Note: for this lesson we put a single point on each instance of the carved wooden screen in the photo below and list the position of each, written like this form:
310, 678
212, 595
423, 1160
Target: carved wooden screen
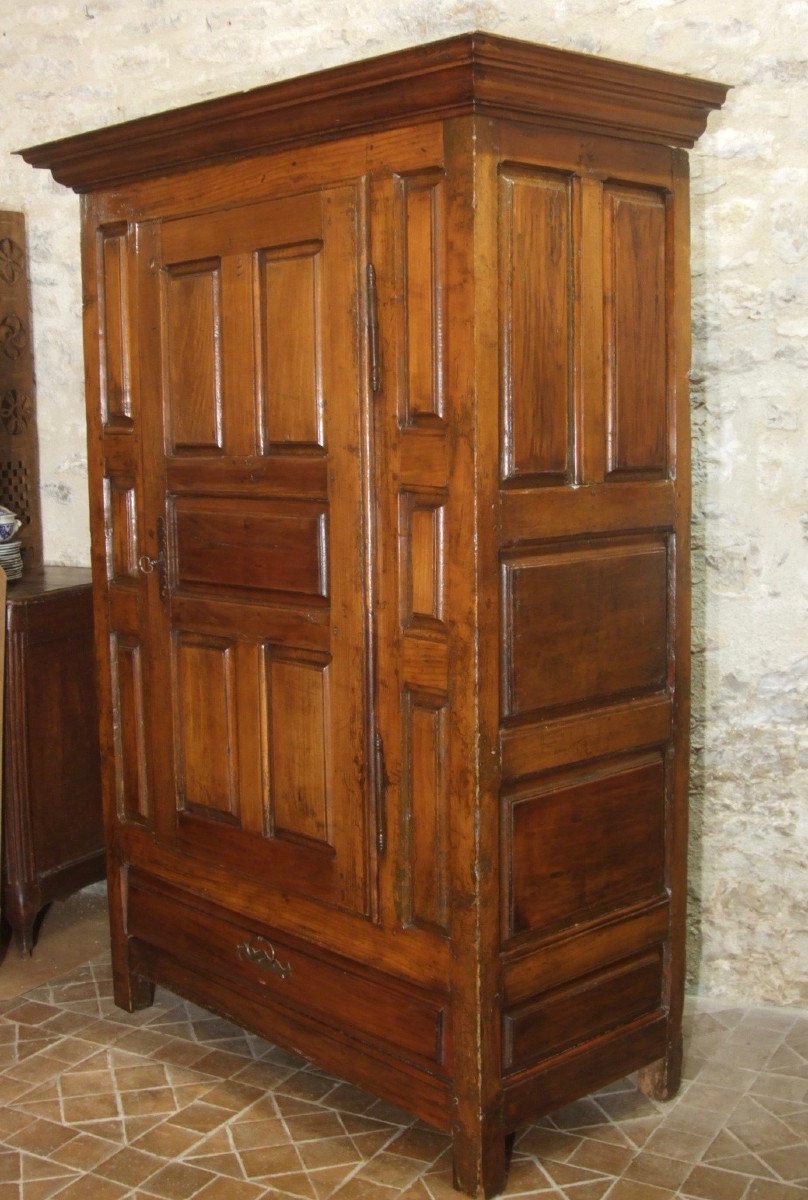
19, 449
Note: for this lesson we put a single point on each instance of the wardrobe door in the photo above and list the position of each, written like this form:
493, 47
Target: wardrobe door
253, 464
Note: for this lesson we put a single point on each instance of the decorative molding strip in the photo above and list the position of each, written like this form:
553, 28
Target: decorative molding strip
472, 73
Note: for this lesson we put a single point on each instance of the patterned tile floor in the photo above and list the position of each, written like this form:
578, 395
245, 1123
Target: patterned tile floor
174, 1103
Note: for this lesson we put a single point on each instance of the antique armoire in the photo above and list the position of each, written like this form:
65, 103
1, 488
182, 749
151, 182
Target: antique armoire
387, 391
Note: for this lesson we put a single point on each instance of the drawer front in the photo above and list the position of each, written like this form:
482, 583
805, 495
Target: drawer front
389, 1014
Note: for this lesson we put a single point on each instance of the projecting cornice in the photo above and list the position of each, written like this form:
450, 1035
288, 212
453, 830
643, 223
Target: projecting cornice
472, 73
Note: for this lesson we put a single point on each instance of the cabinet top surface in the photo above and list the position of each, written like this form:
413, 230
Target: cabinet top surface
36, 584
473, 73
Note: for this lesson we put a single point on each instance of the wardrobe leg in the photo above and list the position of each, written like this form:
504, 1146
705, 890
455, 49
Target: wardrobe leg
480, 1161
130, 990
661, 1079
22, 907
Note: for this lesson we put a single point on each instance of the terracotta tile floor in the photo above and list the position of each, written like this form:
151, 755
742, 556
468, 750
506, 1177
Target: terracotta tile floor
175, 1103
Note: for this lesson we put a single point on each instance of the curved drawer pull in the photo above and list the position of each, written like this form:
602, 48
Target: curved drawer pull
262, 953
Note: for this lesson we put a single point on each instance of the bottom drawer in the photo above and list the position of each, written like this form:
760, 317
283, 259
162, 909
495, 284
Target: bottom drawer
364, 1005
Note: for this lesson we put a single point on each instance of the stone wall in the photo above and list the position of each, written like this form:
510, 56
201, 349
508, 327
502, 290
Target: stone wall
67, 66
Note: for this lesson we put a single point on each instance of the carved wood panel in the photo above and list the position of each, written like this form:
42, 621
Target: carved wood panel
19, 446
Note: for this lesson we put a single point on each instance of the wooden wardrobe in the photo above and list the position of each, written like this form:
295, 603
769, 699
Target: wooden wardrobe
388, 424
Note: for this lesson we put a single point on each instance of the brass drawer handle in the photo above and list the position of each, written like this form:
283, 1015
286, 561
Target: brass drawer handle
262, 953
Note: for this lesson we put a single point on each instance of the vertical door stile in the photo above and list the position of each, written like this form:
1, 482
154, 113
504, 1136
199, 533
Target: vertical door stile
370, 390
383, 500
149, 382
590, 410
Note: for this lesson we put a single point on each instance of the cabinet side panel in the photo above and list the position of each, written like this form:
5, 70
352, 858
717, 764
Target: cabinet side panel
535, 267
635, 328
590, 624
586, 622
562, 820
62, 746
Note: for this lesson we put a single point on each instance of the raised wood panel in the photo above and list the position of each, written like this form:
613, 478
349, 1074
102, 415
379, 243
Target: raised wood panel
635, 328
193, 336
584, 843
116, 395
206, 721
128, 729
259, 545
120, 529
585, 622
290, 337
422, 269
536, 324
572, 1015
421, 567
424, 898
299, 747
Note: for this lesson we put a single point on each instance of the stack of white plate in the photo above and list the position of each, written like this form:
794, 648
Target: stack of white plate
11, 559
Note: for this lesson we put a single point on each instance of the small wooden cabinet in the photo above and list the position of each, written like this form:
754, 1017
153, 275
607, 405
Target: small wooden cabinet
53, 840
387, 391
